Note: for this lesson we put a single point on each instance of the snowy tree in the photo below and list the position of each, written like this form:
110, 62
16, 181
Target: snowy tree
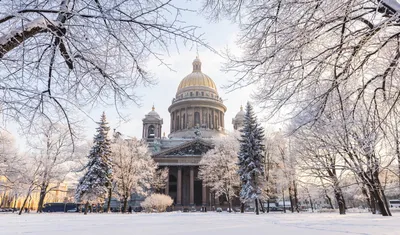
296, 49
270, 189
219, 169
8, 153
355, 142
159, 181
286, 171
54, 152
96, 183
133, 168
62, 55
28, 177
251, 158
10, 161
317, 159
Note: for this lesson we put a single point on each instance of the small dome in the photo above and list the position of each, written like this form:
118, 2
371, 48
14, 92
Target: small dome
197, 78
240, 114
153, 113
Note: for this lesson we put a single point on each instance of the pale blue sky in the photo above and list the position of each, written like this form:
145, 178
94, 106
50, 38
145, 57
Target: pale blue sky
219, 35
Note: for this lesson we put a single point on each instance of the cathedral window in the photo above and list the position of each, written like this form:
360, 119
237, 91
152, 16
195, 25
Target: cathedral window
202, 93
197, 93
197, 118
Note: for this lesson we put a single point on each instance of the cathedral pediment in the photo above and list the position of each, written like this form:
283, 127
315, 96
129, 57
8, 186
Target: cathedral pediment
196, 147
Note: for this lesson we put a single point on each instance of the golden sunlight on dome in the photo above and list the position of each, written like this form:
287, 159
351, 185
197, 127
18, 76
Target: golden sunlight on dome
197, 78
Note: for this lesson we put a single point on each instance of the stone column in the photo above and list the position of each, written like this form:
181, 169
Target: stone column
208, 117
202, 116
167, 183
180, 119
171, 125
179, 187
223, 120
203, 194
191, 186
186, 119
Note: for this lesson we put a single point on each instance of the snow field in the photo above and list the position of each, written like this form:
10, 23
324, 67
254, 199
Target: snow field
198, 223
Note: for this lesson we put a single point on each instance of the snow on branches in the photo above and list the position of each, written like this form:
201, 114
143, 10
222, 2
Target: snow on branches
96, 182
251, 158
59, 56
133, 168
218, 167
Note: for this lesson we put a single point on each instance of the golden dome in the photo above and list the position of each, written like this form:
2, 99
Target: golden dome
197, 78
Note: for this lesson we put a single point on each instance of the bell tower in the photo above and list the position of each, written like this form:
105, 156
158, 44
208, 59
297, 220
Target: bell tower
152, 126
238, 121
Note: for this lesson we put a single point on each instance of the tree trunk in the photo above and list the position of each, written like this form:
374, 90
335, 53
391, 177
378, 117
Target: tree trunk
284, 204
340, 200
125, 204
15, 203
109, 200
230, 205
23, 204
380, 196
3, 199
241, 207
329, 199
42, 196
381, 201
296, 199
268, 206
86, 208
257, 210
311, 203
291, 199
398, 157
372, 201
262, 206
369, 199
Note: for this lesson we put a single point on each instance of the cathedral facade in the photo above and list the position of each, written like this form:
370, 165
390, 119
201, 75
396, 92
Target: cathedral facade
197, 114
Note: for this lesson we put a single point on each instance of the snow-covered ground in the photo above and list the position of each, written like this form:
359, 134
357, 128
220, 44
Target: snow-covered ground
198, 223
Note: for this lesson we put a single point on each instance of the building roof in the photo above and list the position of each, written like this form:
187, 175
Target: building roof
240, 114
152, 115
197, 78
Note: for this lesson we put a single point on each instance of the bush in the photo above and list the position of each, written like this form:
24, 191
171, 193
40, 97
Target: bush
157, 203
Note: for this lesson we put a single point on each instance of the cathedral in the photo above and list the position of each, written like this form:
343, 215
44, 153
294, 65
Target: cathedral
197, 114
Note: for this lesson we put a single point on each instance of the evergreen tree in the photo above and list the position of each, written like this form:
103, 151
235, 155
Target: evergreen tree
251, 158
96, 183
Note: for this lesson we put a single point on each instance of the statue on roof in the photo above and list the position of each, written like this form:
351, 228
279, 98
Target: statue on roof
197, 132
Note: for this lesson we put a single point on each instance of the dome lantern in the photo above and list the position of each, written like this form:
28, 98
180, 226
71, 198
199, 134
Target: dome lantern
196, 65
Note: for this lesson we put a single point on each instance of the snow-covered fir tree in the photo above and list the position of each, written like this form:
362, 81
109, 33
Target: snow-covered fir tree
96, 183
251, 158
